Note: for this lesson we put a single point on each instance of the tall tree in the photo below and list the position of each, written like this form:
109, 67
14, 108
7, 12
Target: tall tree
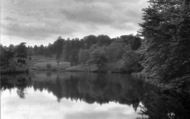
89, 41
83, 56
21, 50
58, 47
166, 30
5, 56
103, 40
98, 57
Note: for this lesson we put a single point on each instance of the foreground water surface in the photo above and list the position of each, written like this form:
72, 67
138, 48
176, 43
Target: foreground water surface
48, 95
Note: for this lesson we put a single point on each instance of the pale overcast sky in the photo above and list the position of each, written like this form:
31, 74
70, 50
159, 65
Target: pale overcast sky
42, 21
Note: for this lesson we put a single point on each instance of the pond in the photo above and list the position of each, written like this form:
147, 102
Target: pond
50, 95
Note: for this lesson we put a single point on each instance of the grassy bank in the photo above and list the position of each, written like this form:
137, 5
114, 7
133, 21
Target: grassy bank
41, 63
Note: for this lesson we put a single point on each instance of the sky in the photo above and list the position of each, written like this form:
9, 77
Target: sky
39, 22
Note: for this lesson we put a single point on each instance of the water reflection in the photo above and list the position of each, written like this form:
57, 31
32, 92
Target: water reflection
108, 90
94, 88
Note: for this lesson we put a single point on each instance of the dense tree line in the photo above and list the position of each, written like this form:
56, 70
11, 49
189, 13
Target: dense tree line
91, 49
13, 58
166, 30
99, 50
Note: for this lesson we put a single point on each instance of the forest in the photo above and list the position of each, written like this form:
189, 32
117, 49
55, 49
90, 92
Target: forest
101, 50
160, 51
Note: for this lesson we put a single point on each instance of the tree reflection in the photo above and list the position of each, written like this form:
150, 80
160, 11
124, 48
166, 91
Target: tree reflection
20, 92
167, 104
20, 82
99, 88
153, 102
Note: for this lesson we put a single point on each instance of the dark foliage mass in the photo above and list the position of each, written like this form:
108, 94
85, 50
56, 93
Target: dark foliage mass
13, 58
166, 30
99, 50
88, 49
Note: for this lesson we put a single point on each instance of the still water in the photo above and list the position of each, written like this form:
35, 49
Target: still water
46, 95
